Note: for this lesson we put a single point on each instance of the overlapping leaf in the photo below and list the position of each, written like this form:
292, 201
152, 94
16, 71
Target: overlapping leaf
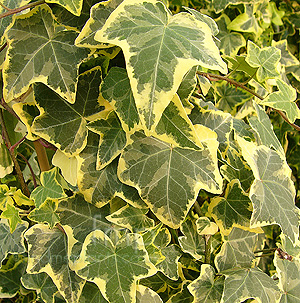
114, 268
6, 164
287, 58
173, 45
146, 294
74, 6
48, 252
252, 283
11, 213
66, 128
272, 192
283, 100
100, 186
12, 243
220, 5
205, 288
168, 179
51, 59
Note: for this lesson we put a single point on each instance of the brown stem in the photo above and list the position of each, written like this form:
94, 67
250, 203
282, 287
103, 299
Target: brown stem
5, 7
214, 77
19, 9
24, 186
9, 109
41, 156
30, 168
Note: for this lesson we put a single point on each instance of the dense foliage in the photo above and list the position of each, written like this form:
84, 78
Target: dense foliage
149, 151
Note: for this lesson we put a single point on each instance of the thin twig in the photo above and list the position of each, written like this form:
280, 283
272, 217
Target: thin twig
30, 168
22, 8
214, 77
5, 7
12, 148
20, 176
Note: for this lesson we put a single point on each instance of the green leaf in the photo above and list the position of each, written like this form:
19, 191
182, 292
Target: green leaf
206, 227
11, 243
174, 44
289, 279
78, 219
265, 59
133, 218
168, 179
99, 13
112, 139
192, 242
49, 188
272, 193
99, 187
242, 284
10, 283
91, 294
6, 164
51, 59
46, 213
169, 266
114, 267
66, 128
74, 6
283, 100
146, 294
43, 285
11, 213
246, 22
264, 129
188, 84
287, 58
205, 288
220, 5
230, 42
234, 209
48, 252
116, 89
237, 251
5, 198
182, 296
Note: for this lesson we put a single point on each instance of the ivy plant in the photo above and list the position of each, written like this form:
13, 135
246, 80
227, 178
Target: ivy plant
149, 151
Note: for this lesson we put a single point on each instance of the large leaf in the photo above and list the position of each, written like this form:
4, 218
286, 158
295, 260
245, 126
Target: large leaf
234, 209
48, 252
242, 284
100, 186
283, 100
51, 59
171, 46
168, 178
74, 6
272, 192
66, 128
114, 268
289, 279
11, 243
287, 58
205, 288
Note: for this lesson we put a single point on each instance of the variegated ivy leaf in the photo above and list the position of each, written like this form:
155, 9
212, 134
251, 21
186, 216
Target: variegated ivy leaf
91, 294
264, 129
98, 15
169, 178
112, 139
220, 5
188, 84
234, 209
169, 266
10, 276
79, 218
182, 296
5, 198
287, 58
52, 59
46, 213
48, 252
237, 250
242, 284
146, 294
264, 59
74, 6
133, 218
283, 99
114, 268
230, 42
99, 187
247, 21
238, 63
6, 164
11, 243
205, 288
272, 193
49, 188
192, 242
42, 284
66, 128
289, 279
172, 46
67, 165
206, 227
11, 213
